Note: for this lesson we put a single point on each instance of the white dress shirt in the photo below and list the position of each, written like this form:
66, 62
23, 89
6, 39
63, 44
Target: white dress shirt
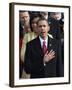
46, 42
42, 40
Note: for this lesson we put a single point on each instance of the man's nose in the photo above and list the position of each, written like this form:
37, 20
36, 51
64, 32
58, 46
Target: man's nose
25, 19
42, 27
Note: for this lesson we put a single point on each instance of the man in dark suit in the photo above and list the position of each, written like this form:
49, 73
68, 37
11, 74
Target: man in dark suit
43, 54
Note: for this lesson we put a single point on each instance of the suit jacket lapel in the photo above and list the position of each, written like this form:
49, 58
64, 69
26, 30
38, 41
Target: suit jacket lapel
49, 45
38, 45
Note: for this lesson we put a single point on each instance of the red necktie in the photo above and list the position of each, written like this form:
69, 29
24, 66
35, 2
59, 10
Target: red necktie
44, 47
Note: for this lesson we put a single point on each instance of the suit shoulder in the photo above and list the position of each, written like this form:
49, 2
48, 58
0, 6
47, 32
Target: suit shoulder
32, 41
53, 40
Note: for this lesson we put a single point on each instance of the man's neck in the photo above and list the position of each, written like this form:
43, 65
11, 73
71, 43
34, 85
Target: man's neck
44, 38
41, 40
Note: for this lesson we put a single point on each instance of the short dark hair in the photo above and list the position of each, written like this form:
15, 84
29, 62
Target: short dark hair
22, 11
42, 19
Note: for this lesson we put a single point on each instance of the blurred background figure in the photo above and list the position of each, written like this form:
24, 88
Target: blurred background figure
24, 27
28, 37
59, 17
56, 15
24, 24
57, 24
25, 21
44, 14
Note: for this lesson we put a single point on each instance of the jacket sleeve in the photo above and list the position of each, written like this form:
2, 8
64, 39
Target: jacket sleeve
27, 62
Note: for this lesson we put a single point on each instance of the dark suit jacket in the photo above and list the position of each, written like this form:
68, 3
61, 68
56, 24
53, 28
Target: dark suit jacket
34, 60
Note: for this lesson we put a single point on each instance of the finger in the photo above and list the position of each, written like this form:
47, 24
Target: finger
51, 51
52, 57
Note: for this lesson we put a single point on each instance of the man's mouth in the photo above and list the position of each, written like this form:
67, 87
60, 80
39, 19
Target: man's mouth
42, 32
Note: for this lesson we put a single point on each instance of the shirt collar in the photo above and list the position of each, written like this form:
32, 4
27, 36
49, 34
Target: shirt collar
41, 41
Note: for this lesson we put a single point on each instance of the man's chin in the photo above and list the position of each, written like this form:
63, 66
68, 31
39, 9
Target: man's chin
43, 36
